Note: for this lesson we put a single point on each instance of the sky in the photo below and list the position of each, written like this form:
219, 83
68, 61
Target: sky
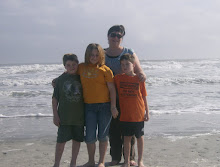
42, 31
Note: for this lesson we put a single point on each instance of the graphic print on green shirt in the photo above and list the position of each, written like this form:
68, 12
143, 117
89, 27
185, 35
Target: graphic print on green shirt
68, 92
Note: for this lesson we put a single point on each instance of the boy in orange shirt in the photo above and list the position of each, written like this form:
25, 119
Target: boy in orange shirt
133, 105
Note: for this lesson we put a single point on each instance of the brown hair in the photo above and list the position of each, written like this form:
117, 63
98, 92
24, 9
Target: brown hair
117, 28
101, 53
128, 57
70, 56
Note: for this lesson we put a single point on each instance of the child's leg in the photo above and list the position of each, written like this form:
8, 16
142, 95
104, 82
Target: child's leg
127, 146
104, 120
90, 138
102, 151
132, 152
75, 151
91, 151
58, 153
140, 146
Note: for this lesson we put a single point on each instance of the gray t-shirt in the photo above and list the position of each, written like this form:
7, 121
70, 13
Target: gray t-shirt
114, 62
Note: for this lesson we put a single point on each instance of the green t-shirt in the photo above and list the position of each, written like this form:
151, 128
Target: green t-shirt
68, 92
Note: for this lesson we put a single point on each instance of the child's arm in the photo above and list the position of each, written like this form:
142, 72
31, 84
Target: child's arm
112, 91
56, 119
146, 117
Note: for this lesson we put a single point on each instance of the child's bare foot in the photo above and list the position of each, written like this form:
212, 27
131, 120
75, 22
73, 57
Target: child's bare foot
89, 164
101, 165
126, 165
133, 163
141, 164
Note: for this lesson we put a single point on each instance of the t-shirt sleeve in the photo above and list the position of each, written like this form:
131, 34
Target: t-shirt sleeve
116, 81
56, 91
79, 69
109, 77
143, 89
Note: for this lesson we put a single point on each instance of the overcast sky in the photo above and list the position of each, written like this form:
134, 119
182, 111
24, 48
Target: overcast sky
42, 31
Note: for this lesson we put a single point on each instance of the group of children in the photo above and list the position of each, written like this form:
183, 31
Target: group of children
86, 95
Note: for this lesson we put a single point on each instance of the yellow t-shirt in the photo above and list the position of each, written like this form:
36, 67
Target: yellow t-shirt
94, 82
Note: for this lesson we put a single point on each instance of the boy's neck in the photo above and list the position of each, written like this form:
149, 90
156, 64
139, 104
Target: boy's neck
131, 73
70, 73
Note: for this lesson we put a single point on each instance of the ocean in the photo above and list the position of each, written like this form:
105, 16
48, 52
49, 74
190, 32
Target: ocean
183, 98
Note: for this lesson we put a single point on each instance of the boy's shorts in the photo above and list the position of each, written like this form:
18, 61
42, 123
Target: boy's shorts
132, 128
70, 132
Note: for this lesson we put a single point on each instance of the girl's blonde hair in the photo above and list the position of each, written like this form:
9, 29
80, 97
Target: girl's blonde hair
101, 53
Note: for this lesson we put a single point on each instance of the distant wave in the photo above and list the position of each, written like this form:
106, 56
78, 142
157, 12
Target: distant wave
25, 93
160, 81
151, 80
30, 93
28, 115
146, 64
32, 68
25, 81
198, 109
158, 73
193, 64
161, 65
159, 112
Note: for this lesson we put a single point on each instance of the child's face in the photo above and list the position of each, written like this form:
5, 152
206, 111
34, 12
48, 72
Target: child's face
127, 67
94, 57
71, 67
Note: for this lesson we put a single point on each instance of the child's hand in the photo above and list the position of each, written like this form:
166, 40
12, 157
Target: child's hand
146, 117
114, 112
142, 77
56, 120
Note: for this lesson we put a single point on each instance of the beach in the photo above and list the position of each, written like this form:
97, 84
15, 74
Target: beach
194, 151
184, 140
183, 131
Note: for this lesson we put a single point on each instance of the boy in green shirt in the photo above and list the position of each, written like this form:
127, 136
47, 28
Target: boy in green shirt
68, 109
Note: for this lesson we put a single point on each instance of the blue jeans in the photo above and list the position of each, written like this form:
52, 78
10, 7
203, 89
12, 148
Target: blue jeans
97, 114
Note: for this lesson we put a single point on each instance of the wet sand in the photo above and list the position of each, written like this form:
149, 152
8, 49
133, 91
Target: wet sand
194, 151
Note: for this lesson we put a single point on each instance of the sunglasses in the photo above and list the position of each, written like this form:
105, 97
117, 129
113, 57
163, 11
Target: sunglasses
116, 35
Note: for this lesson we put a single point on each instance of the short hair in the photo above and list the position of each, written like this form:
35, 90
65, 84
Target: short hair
117, 28
100, 50
71, 57
128, 57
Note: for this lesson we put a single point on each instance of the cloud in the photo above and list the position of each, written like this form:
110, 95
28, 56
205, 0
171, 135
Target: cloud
154, 29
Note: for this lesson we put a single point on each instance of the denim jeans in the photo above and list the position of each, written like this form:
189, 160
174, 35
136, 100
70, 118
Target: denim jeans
97, 115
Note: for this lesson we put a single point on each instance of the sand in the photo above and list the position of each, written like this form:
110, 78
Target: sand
196, 151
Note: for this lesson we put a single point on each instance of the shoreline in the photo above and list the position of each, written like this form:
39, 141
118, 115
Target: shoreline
159, 126
200, 150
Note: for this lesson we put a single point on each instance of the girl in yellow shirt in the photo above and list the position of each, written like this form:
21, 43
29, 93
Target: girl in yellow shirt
100, 100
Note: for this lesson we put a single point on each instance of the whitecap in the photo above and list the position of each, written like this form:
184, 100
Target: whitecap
27, 115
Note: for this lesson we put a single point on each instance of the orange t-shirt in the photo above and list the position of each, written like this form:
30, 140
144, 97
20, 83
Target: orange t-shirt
130, 92
94, 82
